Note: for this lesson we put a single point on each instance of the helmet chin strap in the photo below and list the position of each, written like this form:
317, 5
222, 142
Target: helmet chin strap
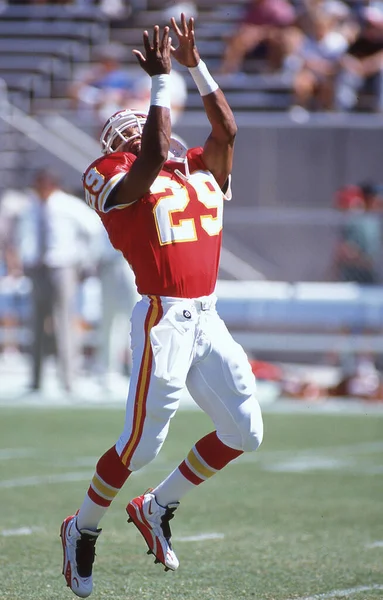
178, 153
185, 176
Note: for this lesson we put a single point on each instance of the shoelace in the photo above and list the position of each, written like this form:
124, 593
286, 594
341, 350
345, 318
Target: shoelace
85, 553
169, 514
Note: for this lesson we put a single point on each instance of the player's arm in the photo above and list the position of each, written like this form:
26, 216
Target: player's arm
219, 146
157, 130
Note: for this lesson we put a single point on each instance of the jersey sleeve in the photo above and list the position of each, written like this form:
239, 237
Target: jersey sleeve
196, 162
102, 177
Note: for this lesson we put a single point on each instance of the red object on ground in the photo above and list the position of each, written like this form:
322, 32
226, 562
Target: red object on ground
265, 370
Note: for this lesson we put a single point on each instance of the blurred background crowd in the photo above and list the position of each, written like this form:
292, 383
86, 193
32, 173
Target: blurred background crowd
301, 276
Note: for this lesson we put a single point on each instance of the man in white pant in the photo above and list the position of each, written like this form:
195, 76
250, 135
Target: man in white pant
118, 297
55, 236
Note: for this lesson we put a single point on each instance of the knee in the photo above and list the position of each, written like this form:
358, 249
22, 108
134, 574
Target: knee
251, 431
246, 431
140, 457
252, 438
251, 425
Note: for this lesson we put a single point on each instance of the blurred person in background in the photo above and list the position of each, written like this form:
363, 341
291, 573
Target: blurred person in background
316, 63
344, 19
171, 7
359, 248
14, 292
269, 24
55, 234
141, 94
362, 66
105, 85
118, 297
14, 286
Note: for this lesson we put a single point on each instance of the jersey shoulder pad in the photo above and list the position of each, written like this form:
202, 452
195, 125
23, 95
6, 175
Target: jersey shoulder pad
196, 163
195, 160
102, 176
112, 163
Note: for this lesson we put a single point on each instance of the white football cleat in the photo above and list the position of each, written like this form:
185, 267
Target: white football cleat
79, 553
152, 520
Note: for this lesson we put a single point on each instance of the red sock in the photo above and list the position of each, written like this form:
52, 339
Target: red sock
108, 479
206, 458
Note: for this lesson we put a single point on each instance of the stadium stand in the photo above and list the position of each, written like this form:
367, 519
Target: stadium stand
41, 46
61, 37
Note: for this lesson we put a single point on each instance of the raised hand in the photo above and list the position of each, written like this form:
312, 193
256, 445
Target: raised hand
186, 53
157, 60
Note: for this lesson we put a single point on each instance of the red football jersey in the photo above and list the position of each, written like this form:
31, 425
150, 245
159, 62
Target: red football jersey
171, 236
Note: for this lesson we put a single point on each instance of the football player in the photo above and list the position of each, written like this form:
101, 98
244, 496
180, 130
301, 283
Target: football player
162, 206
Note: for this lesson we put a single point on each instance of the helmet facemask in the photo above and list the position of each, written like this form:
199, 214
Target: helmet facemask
117, 124
123, 120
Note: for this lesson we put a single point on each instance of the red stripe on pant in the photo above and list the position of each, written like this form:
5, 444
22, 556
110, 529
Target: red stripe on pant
153, 317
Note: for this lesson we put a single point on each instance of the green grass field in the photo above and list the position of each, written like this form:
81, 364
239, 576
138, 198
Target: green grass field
301, 518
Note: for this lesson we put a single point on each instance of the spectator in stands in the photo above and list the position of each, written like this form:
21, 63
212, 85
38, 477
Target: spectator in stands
363, 63
317, 63
106, 85
266, 24
140, 98
54, 234
343, 17
172, 7
358, 253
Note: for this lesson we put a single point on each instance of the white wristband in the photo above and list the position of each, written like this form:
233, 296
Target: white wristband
202, 78
160, 92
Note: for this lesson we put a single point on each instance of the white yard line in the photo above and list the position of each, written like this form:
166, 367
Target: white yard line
201, 537
19, 531
309, 459
377, 544
41, 479
9, 453
72, 477
342, 458
346, 449
341, 593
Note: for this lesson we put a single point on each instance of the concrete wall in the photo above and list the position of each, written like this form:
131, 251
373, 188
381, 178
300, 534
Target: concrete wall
279, 163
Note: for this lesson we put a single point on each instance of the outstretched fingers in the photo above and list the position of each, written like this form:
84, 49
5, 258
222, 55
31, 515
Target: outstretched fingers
176, 29
166, 40
156, 38
140, 57
184, 24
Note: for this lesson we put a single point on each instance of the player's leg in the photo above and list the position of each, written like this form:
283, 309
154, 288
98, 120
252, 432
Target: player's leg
79, 532
223, 385
153, 398
171, 347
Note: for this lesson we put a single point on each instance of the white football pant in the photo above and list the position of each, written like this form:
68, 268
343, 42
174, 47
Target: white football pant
180, 342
